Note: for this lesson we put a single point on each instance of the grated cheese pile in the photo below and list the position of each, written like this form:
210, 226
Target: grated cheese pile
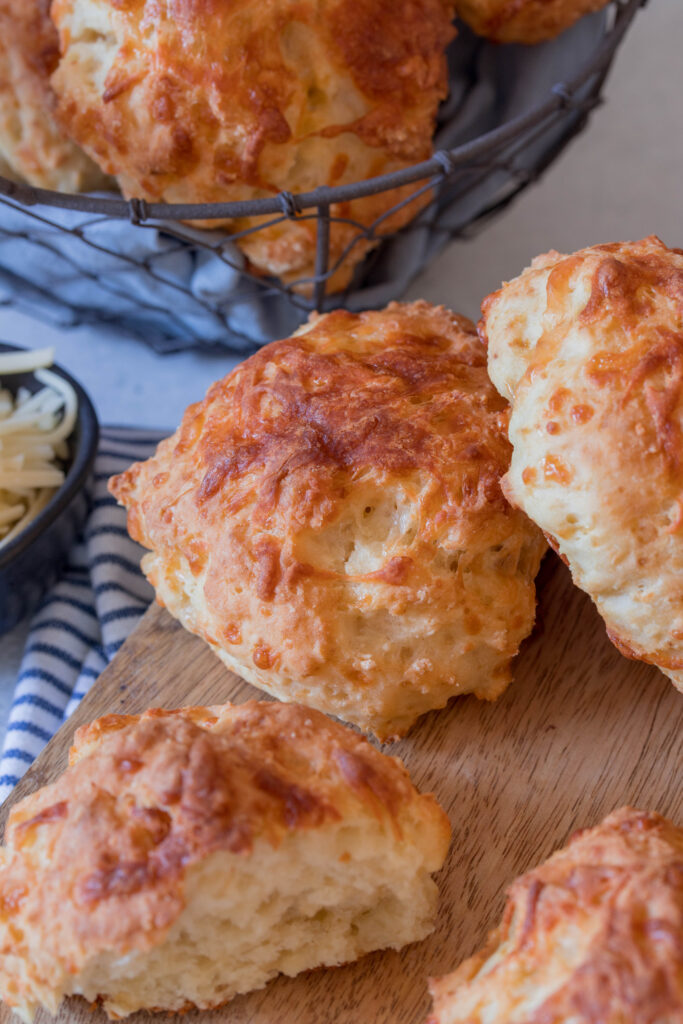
33, 433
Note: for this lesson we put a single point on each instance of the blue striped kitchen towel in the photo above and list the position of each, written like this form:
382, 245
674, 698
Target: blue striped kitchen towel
85, 618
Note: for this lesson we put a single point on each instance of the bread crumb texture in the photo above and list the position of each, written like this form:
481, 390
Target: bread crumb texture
187, 856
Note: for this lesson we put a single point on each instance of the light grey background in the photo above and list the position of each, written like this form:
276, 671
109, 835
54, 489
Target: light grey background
622, 178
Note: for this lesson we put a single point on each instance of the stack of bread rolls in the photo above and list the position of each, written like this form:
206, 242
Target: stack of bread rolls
229, 100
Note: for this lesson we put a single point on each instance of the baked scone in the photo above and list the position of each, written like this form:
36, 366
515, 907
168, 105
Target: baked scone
33, 148
329, 518
593, 936
589, 349
524, 21
252, 97
187, 856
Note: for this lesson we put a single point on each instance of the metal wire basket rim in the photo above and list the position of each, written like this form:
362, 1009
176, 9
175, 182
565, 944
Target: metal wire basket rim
442, 163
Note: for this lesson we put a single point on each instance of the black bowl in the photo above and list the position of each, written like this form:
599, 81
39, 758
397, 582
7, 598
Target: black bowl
32, 562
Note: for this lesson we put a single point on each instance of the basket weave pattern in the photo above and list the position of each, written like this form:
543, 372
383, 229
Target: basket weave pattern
495, 159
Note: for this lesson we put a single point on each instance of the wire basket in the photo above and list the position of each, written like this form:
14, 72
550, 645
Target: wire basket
99, 259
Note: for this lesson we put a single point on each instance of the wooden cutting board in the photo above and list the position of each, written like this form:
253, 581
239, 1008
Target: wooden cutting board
579, 733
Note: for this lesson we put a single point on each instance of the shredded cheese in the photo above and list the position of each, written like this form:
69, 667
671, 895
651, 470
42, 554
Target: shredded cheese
33, 433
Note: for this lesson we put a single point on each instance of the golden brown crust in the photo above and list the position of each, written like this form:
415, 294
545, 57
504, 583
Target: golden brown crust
593, 936
334, 480
97, 860
214, 101
387, 409
590, 349
523, 21
32, 146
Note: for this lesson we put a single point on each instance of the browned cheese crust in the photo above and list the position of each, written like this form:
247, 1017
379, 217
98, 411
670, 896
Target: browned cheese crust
524, 21
97, 861
589, 348
330, 519
32, 146
221, 100
593, 936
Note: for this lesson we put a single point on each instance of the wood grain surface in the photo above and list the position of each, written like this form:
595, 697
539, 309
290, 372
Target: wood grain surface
580, 732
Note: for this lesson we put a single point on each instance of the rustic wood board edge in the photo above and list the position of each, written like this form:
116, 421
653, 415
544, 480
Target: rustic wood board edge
580, 732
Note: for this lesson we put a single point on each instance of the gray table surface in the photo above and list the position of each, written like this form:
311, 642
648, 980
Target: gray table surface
621, 179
